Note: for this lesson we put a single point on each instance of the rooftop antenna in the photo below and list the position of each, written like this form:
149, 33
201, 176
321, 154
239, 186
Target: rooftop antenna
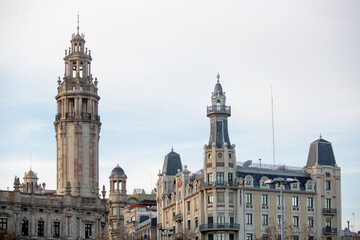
218, 77
30, 161
272, 123
78, 17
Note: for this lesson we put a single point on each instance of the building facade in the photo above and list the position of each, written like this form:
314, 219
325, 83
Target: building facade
229, 200
74, 210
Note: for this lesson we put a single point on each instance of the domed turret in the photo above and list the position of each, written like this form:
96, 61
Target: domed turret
218, 88
172, 163
118, 171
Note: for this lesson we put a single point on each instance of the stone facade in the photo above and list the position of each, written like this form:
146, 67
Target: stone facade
232, 200
74, 210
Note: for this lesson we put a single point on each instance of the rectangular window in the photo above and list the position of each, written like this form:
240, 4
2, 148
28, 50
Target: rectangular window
295, 221
327, 185
211, 236
210, 178
310, 202
231, 197
221, 236
114, 225
56, 229
249, 236
328, 223
221, 219
278, 220
265, 219
189, 224
248, 198
220, 178
231, 219
278, 200
264, 199
295, 201
210, 199
248, 182
248, 218
231, 236
220, 197
310, 222
196, 222
25, 227
294, 185
210, 220
87, 231
41, 228
3, 223
114, 212
188, 206
230, 177
328, 203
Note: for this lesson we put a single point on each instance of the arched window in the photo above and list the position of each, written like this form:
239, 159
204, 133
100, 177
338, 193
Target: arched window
218, 105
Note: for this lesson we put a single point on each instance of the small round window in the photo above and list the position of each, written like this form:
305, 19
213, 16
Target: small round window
219, 155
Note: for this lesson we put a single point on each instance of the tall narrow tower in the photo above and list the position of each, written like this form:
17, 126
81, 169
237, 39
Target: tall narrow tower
77, 123
219, 154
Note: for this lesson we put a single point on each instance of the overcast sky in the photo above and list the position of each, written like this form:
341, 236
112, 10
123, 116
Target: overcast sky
156, 63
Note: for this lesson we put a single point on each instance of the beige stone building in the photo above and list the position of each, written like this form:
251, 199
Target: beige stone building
232, 200
75, 209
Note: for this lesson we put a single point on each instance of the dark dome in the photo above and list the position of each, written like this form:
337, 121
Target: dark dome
218, 88
118, 171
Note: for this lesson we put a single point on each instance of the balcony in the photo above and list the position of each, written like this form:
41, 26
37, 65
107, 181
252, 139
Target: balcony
219, 227
329, 230
219, 109
83, 115
178, 217
220, 184
329, 211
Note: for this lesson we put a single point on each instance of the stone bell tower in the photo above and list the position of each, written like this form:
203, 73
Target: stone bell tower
77, 123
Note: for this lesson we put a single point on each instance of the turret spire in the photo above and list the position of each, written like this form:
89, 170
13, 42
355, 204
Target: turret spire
218, 113
78, 20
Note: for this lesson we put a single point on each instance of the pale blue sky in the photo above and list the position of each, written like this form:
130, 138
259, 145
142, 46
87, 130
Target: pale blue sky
156, 63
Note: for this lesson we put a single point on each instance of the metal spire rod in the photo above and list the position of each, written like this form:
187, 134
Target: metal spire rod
272, 121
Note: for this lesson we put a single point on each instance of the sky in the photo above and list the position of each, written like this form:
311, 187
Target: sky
156, 64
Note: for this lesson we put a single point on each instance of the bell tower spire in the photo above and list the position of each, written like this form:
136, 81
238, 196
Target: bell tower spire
77, 123
219, 154
218, 113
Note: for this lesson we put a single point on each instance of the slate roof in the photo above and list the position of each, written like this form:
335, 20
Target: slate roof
218, 88
219, 134
172, 163
321, 152
257, 177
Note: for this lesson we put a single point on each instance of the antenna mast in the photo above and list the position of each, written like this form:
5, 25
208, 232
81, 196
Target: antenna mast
272, 122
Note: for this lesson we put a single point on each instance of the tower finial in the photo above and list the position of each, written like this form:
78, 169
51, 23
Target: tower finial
218, 77
172, 148
320, 136
78, 16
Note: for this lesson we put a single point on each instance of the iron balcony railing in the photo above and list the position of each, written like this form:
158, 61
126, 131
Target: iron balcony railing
329, 230
83, 115
329, 211
219, 226
178, 217
220, 184
219, 109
